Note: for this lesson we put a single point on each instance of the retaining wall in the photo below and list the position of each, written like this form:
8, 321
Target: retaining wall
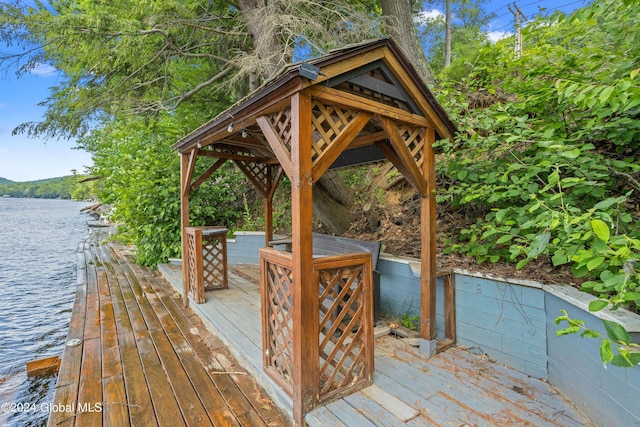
512, 321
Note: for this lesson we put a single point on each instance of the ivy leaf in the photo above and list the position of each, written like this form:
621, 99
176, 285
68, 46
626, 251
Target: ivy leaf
631, 360
598, 304
559, 258
606, 353
631, 296
601, 229
538, 245
595, 262
616, 332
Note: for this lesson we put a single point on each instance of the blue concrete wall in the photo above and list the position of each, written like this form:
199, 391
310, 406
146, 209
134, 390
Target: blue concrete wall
504, 321
514, 325
244, 248
400, 292
608, 396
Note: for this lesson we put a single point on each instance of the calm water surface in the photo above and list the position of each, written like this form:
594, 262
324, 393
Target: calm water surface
38, 242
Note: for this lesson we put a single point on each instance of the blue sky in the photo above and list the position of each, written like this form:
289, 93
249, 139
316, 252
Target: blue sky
25, 159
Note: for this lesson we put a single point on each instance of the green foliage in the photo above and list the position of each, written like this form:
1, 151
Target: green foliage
140, 178
616, 349
549, 164
549, 153
411, 322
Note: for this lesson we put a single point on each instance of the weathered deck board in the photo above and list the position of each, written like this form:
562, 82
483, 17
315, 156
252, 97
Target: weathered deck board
143, 359
453, 388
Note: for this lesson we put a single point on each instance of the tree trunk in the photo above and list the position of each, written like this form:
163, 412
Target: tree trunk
326, 209
399, 22
271, 54
332, 199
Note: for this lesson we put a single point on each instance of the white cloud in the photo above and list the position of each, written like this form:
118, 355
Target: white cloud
494, 36
429, 15
43, 70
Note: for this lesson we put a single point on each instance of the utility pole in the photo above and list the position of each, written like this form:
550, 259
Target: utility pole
517, 13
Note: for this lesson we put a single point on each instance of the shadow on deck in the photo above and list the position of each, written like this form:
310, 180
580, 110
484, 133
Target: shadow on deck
135, 356
455, 387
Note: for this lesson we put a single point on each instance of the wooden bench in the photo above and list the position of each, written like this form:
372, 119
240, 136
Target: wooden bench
324, 245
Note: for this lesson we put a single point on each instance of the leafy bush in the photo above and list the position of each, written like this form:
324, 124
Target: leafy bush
549, 158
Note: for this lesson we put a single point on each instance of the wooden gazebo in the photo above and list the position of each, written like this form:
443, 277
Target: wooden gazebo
364, 103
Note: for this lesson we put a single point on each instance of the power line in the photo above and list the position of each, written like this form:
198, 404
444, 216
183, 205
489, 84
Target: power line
547, 10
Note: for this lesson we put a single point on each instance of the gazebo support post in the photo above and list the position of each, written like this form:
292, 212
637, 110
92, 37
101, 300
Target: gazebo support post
428, 250
305, 297
268, 219
185, 190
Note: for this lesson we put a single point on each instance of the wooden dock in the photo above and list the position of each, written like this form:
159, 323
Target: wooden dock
135, 356
454, 388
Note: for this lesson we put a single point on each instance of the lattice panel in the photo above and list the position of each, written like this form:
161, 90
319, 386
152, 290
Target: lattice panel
214, 262
281, 123
327, 123
413, 137
279, 330
263, 176
192, 272
342, 339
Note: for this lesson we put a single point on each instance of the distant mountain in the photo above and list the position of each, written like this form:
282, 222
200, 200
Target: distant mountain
50, 188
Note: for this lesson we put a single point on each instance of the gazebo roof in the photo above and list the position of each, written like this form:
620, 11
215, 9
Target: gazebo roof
376, 72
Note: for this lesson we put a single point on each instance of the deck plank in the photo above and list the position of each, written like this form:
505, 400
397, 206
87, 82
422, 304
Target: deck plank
143, 359
66, 393
115, 412
89, 409
227, 391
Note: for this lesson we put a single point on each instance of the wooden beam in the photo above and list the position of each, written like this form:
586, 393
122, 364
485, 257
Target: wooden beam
276, 180
188, 172
276, 144
305, 293
231, 156
202, 178
361, 103
339, 67
428, 242
339, 144
185, 179
364, 140
268, 220
407, 82
392, 156
414, 175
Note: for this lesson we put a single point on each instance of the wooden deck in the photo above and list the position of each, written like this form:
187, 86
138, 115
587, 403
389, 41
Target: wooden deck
454, 388
143, 360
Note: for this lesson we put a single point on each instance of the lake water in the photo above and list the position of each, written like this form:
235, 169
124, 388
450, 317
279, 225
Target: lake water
38, 242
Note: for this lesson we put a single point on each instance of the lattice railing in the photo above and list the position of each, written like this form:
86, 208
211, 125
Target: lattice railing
192, 268
277, 316
214, 258
344, 322
206, 260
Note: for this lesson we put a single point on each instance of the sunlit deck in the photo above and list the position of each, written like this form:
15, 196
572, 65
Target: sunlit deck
455, 387
141, 359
